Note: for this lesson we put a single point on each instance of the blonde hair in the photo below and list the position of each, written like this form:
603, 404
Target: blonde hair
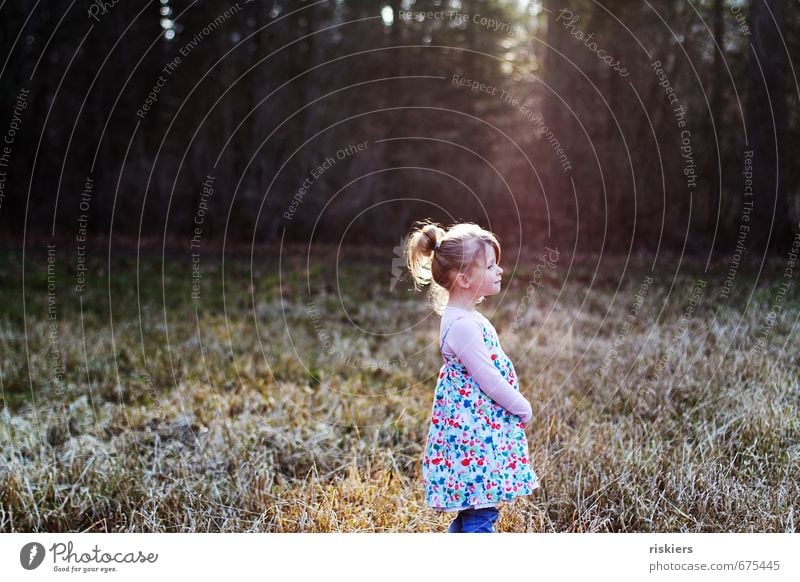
460, 248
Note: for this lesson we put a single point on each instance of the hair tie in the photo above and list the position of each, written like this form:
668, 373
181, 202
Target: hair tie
437, 245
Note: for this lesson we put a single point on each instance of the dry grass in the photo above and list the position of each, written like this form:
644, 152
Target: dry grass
240, 429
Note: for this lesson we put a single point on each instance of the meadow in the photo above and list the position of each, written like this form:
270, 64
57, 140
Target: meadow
295, 397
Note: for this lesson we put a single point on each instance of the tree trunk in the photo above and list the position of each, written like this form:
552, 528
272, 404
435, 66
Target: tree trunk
713, 172
765, 124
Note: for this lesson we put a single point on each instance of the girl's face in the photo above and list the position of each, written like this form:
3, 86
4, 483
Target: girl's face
487, 275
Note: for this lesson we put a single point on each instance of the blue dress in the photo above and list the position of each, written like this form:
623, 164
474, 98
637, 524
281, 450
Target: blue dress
476, 453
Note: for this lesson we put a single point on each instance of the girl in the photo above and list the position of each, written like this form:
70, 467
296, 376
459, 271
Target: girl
476, 454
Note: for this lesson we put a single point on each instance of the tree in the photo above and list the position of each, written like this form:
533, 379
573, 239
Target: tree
766, 118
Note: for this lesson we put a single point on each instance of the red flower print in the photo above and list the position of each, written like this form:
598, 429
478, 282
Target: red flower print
494, 356
436, 461
435, 421
465, 462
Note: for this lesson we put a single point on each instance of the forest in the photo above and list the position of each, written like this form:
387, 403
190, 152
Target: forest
615, 124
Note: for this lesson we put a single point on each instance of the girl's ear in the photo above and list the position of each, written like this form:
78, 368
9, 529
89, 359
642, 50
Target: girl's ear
462, 281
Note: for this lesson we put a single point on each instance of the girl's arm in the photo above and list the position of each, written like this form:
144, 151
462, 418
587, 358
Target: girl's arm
466, 341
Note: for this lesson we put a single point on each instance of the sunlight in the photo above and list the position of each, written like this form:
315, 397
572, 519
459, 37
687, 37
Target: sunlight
387, 14
167, 23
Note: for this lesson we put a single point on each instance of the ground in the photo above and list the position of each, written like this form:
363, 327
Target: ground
286, 403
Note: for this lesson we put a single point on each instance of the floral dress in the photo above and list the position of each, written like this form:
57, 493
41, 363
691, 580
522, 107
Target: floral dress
476, 454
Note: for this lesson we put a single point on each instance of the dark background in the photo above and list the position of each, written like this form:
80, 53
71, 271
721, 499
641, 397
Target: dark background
270, 92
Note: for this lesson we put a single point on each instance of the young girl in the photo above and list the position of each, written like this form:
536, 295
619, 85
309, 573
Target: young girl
476, 454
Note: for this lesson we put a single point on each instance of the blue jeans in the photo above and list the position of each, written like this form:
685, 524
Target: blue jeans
475, 520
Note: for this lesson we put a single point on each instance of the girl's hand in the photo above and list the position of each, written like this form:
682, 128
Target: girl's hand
527, 415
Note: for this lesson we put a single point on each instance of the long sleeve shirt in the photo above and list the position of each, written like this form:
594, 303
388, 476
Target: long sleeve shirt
464, 340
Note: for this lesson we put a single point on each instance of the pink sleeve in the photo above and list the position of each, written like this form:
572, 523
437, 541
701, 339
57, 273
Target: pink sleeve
465, 339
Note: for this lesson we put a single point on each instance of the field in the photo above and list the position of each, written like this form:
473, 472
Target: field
296, 398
